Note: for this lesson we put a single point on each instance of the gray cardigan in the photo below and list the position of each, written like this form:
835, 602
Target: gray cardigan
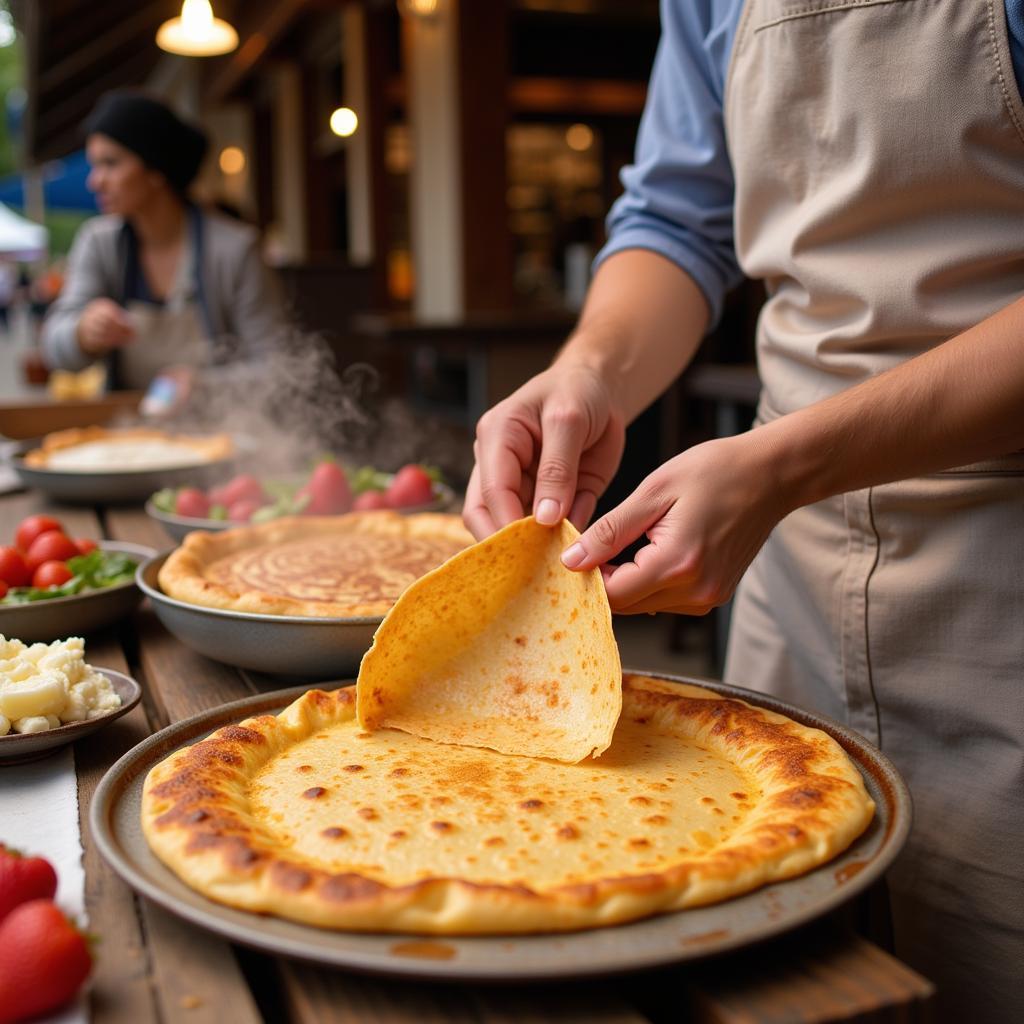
237, 297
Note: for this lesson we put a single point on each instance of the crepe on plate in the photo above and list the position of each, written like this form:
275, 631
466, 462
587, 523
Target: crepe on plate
322, 566
500, 647
307, 816
99, 450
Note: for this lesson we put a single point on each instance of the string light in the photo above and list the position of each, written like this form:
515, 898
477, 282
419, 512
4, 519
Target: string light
344, 122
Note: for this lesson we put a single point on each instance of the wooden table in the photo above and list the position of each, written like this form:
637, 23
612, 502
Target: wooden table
153, 968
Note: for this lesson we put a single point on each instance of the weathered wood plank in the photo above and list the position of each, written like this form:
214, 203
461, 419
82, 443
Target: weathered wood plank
821, 974
121, 990
336, 997
196, 976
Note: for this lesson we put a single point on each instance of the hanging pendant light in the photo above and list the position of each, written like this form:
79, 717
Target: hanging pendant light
196, 33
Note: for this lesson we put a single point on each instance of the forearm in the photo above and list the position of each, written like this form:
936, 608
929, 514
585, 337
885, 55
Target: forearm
961, 402
61, 349
643, 320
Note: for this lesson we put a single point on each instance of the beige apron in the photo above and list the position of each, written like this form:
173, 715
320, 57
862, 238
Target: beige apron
167, 335
878, 147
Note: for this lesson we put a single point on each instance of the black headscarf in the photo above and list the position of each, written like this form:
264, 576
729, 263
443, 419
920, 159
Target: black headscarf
153, 132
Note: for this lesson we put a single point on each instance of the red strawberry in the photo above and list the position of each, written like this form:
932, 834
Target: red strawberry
411, 486
370, 500
328, 491
23, 879
43, 961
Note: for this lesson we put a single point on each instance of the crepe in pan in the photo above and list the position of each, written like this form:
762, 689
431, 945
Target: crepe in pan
500, 647
307, 816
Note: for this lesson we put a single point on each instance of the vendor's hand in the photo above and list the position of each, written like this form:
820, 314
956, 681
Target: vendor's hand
706, 514
104, 325
552, 447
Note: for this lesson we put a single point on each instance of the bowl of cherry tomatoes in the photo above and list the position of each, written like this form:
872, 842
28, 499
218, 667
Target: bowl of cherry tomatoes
54, 585
329, 489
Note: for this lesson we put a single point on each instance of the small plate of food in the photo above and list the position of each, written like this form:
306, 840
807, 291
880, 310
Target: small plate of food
50, 696
52, 585
95, 464
329, 489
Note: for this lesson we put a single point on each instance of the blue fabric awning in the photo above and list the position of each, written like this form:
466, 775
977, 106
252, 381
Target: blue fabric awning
63, 186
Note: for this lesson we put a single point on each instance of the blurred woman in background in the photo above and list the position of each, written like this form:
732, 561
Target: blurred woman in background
157, 286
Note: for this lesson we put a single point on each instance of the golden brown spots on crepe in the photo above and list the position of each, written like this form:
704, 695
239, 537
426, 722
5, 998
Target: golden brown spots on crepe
354, 768
304, 768
442, 826
531, 805
314, 792
367, 813
641, 801
568, 832
334, 832
398, 773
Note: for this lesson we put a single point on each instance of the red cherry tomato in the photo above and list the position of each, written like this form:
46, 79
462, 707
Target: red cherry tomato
3, 589
328, 490
411, 486
13, 570
84, 545
241, 511
192, 503
51, 546
51, 574
370, 500
32, 527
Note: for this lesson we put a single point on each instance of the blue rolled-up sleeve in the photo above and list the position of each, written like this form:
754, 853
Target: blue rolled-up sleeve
678, 198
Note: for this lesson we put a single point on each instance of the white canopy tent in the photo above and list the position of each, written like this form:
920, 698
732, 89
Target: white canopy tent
21, 239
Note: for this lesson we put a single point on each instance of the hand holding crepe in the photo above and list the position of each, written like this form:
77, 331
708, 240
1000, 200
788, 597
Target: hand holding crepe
500, 647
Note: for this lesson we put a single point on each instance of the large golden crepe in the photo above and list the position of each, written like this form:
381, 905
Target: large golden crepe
307, 816
322, 566
500, 647
99, 450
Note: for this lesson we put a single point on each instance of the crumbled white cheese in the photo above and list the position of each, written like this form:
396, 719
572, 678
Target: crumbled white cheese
43, 686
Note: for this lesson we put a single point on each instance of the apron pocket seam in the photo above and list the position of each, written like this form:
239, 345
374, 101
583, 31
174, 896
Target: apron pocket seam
810, 12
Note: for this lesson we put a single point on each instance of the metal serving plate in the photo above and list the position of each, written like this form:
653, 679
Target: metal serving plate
300, 647
17, 748
179, 527
685, 935
111, 487
80, 614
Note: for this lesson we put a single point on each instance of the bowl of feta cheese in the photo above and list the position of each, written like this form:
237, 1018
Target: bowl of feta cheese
50, 696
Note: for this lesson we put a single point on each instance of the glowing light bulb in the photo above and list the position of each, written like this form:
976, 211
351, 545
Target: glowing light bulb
579, 137
344, 122
232, 160
196, 32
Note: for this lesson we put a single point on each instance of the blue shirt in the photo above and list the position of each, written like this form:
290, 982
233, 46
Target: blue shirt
678, 198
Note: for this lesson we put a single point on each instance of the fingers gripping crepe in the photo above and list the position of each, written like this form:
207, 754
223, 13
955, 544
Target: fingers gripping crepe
500, 647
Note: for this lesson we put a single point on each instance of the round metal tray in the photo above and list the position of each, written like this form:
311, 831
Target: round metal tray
299, 647
111, 487
686, 935
80, 614
179, 527
17, 748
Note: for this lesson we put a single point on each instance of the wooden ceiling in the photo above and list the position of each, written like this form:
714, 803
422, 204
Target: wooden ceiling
78, 49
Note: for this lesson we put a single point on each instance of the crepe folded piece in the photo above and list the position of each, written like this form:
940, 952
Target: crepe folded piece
500, 647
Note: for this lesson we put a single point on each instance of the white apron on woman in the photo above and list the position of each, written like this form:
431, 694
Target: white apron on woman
878, 148
166, 335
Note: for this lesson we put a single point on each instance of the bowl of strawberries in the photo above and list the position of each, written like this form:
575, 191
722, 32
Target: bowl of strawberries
328, 489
